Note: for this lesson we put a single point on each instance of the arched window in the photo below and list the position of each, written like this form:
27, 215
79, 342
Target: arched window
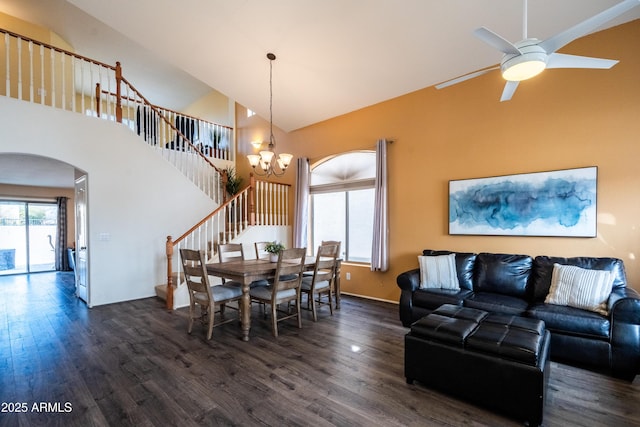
342, 201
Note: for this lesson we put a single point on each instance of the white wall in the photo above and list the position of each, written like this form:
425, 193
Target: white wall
135, 197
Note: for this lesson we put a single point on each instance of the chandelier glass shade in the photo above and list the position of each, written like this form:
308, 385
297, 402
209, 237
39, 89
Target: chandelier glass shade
263, 164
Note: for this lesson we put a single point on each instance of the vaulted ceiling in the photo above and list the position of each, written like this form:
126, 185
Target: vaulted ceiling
333, 56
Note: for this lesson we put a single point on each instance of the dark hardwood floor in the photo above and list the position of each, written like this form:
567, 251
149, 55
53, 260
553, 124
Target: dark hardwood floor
134, 364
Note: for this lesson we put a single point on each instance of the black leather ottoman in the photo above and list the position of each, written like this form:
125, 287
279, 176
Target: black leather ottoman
494, 360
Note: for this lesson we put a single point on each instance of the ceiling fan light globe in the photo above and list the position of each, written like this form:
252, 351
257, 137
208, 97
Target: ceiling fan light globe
531, 62
523, 70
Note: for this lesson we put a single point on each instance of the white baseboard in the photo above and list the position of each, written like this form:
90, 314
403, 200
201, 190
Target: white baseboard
371, 298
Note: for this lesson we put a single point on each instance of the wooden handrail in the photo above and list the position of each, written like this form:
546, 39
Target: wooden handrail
127, 98
57, 49
203, 220
246, 217
172, 243
169, 249
119, 78
171, 125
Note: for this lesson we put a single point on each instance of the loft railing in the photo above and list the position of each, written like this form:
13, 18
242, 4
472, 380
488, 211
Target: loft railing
260, 203
41, 73
37, 72
173, 142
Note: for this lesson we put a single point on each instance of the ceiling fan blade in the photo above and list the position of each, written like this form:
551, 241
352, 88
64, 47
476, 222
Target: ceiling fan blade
560, 60
493, 39
509, 90
559, 40
465, 77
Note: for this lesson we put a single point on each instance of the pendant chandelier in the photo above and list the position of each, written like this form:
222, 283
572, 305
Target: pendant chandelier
264, 164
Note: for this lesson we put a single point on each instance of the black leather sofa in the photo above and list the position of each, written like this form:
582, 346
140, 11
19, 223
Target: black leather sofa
518, 285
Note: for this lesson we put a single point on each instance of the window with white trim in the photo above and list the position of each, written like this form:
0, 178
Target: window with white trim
342, 203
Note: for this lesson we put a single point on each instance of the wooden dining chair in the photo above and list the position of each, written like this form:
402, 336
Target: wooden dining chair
333, 242
261, 253
325, 243
230, 252
335, 283
202, 294
234, 252
285, 287
320, 282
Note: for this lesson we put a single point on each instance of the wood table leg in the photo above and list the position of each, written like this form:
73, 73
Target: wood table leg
245, 312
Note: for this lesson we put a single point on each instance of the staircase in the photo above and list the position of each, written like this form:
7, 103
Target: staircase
40, 73
261, 203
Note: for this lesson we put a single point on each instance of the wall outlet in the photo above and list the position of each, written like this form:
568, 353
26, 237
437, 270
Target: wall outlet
348, 276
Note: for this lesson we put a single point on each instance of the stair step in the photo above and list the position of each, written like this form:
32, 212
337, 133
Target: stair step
161, 291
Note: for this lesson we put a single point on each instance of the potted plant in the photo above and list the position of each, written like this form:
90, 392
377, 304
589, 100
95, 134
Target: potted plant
233, 181
274, 249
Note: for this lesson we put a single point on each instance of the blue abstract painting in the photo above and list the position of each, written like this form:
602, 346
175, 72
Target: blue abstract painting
556, 203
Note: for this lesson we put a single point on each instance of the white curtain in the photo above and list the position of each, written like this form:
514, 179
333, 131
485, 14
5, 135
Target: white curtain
301, 204
380, 247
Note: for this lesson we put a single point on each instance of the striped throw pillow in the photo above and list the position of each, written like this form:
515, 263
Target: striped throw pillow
438, 271
580, 288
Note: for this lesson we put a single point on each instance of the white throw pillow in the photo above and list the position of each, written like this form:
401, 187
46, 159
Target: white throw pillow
580, 288
438, 272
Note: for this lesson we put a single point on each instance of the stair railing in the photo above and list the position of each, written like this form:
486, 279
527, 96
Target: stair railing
37, 72
260, 203
159, 131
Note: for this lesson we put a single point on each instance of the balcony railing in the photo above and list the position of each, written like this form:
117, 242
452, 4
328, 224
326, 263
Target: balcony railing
37, 72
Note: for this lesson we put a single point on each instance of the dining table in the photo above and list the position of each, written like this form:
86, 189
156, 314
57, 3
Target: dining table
250, 270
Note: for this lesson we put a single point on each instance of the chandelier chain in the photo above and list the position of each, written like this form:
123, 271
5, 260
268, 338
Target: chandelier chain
268, 163
271, 138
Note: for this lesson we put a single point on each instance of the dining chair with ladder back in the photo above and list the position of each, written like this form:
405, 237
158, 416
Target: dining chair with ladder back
320, 282
261, 253
285, 287
234, 252
333, 242
230, 252
324, 243
202, 294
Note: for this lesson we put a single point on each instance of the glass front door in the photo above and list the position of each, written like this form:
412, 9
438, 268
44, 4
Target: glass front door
28, 233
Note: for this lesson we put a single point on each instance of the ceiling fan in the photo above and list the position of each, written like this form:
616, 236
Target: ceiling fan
530, 56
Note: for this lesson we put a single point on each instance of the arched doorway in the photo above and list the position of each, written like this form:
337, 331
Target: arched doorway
31, 190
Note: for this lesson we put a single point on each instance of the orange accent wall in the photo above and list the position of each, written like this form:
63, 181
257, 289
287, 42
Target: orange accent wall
559, 120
